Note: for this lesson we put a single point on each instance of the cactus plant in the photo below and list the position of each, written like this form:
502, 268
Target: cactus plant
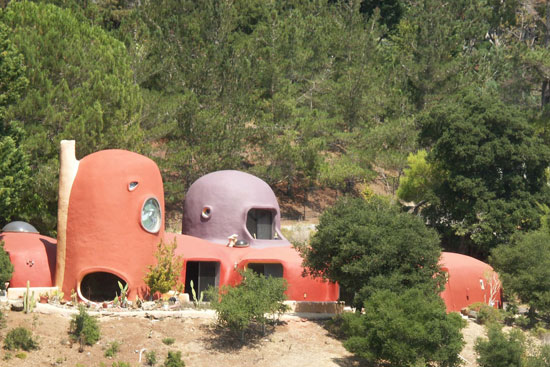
29, 302
197, 302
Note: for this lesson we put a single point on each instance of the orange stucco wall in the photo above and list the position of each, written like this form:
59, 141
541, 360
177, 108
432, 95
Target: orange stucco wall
33, 258
299, 288
469, 281
104, 230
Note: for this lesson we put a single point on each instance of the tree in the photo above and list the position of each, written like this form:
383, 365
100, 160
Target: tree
6, 267
500, 350
494, 171
524, 268
407, 329
81, 87
371, 245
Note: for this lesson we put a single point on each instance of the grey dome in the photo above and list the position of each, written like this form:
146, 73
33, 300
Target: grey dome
19, 226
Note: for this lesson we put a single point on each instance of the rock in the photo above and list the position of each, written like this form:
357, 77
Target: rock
147, 306
17, 306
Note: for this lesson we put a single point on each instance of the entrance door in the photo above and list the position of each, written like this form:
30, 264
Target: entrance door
203, 274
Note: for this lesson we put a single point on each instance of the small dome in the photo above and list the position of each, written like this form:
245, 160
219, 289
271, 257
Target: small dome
233, 204
19, 226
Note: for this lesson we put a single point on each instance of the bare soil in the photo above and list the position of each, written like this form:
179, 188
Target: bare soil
294, 342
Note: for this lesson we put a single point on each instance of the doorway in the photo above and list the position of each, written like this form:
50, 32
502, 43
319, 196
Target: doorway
100, 286
203, 274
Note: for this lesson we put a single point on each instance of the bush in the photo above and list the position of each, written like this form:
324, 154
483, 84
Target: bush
173, 359
165, 275
151, 358
370, 245
485, 313
248, 302
3, 322
407, 329
6, 267
114, 348
541, 359
168, 341
84, 327
20, 338
500, 350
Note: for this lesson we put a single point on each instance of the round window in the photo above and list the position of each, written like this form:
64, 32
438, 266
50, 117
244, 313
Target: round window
151, 215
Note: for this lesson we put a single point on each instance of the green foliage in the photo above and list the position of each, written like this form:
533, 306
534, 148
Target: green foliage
419, 179
173, 359
165, 274
494, 168
84, 328
151, 358
407, 329
3, 322
6, 267
168, 341
485, 313
121, 364
368, 246
524, 268
80, 87
20, 338
113, 349
252, 301
500, 349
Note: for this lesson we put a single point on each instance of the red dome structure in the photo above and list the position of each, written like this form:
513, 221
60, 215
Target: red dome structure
32, 256
468, 281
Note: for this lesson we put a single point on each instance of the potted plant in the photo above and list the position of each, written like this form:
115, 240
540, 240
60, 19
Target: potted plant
44, 297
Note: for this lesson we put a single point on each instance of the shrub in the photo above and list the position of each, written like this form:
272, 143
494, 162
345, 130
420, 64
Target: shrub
2, 320
173, 359
500, 350
485, 313
165, 275
20, 338
113, 349
151, 358
168, 341
541, 359
248, 302
84, 327
407, 329
6, 267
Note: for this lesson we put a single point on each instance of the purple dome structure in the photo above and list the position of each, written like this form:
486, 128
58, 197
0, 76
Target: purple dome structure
225, 203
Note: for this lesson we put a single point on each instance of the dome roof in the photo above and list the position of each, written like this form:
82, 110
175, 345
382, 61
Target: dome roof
223, 203
18, 226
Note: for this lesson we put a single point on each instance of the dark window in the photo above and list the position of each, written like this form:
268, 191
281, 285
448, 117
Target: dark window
268, 270
203, 274
259, 223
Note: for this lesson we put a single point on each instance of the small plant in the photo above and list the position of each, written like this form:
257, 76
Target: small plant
197, 302
123, 294
121, 364
74, 297
20, 338
168, 341
29, 302
84, 328
21, 355
151, 358
112, 350
173, 359
7, 357
57, 296
3, 322
165, 274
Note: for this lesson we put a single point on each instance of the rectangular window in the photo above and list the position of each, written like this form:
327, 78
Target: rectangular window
259, 223
267, 269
